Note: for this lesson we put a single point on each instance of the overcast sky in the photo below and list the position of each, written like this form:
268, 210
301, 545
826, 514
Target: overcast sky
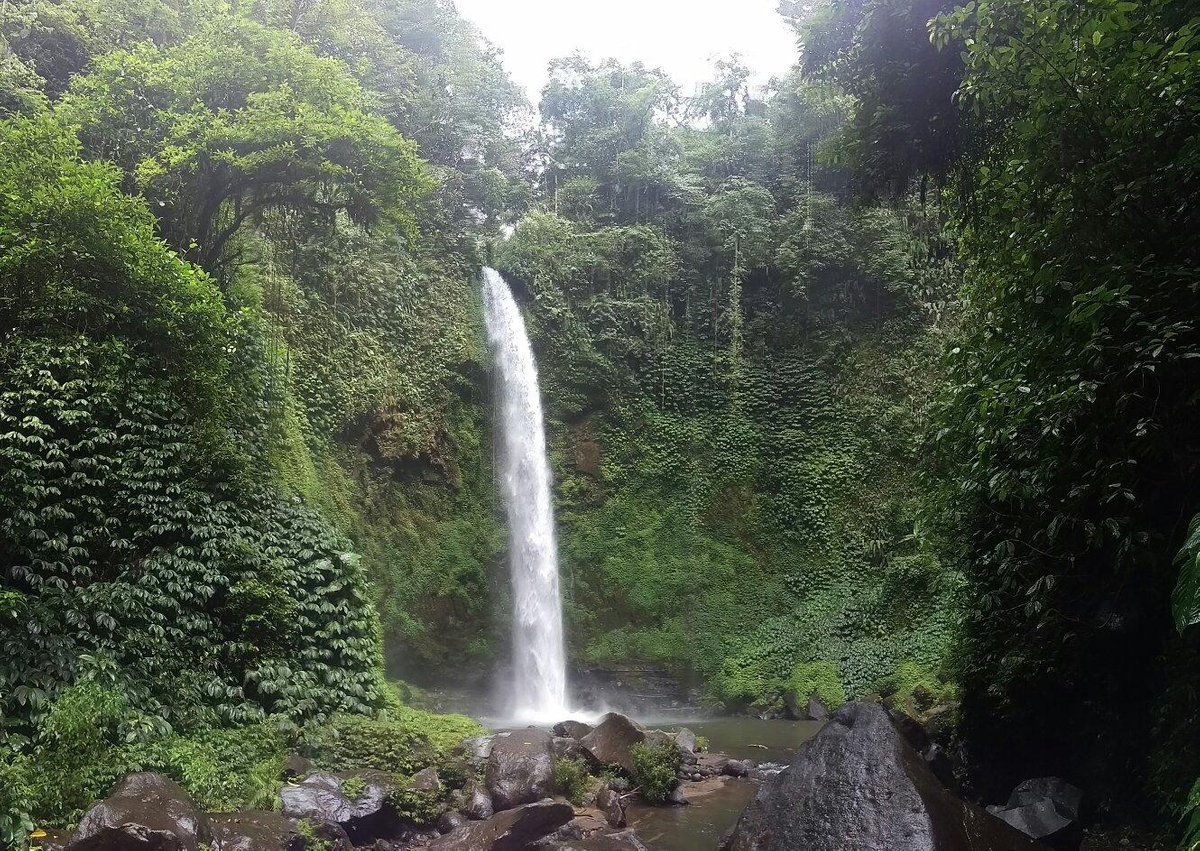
680, 36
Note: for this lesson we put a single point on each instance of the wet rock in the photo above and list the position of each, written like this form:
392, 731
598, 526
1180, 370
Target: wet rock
859, 786
512, 830
816, 710
737, 767
609, 802
426, 780
253, 831
612, 740
677, 797
477, 750
520, 769
323, 797
145, 811
451, 821
572, 729
477, 801
566, 748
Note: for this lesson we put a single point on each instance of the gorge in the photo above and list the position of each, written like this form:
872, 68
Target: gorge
349, 390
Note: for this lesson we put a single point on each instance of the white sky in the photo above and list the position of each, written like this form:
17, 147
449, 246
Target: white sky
679, 36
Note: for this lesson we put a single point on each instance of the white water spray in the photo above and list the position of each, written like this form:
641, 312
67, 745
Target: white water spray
539, 662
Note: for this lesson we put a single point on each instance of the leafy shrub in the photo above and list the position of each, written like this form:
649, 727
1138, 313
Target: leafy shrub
355, 741
911, 683
223, 769
415, 805
656, 770
15, 803
571, 778
818, 679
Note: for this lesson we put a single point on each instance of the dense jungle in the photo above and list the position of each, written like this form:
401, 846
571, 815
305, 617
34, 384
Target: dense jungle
875, 384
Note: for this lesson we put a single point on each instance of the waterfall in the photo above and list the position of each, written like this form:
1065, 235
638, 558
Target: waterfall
539, 687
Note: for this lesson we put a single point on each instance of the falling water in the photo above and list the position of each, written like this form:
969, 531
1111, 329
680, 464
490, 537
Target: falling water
539, 664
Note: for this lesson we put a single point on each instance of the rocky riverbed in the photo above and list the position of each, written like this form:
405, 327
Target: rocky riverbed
867, 781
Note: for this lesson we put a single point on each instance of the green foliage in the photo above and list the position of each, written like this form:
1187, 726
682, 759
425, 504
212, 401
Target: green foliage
82, 258
305, 829
415, 805
915, 685
1185, 599
817, 679
354, 741
572, 779
234, 120
16, 802
655, 770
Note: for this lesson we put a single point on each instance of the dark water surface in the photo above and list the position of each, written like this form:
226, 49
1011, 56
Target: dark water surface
699, 825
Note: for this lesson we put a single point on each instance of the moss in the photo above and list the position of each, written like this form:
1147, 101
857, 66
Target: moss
819, 679
913, 684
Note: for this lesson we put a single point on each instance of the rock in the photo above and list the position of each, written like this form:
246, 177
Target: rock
296, 766
711, 763
477, 750
609, 803
451, 821
1047, 809
1041, 820
322, 797
572, 729
512, 830
477, 801
612, 740
677, 797
859, 786
685, 740
520, 769
253, 831
737, 767
1065, 797
145, 811
563, 747
426, 780
816, 710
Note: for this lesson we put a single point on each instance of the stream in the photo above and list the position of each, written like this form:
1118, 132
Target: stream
700, 824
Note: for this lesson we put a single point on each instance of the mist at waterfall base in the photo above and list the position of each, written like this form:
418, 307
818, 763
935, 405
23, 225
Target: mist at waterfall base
538, 687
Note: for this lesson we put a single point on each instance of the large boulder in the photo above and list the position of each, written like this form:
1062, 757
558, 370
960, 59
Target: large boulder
520, 768
356, 801
145, 812
572, 729
612, 741
1066, 797
859, 786
1047, 809
512, 830
477, 802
